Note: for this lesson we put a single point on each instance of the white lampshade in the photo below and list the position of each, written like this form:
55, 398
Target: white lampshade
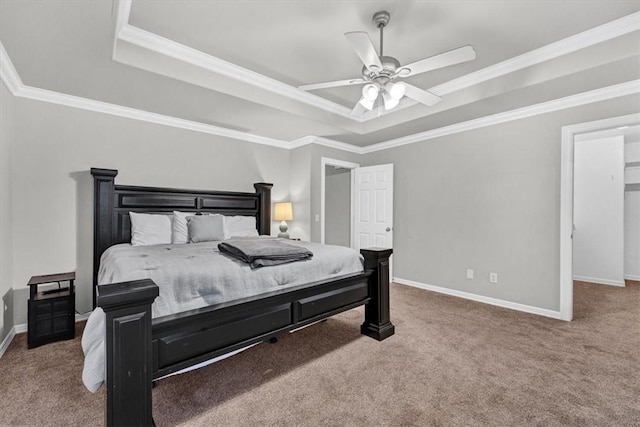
389, 101
396, 90
370, 92
367, 103
283, 211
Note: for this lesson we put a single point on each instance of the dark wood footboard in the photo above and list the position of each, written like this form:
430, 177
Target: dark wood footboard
139, 349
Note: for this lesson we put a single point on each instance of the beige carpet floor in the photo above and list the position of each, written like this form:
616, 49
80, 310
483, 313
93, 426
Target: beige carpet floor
452, 362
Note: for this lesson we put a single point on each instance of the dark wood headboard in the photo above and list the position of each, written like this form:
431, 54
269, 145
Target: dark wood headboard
112, 204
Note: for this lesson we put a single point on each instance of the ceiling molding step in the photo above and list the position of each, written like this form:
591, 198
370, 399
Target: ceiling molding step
12, 80
203, 60
123, 11
327, 142
597, 95
170, 48
145, 116
568, 45
8, 73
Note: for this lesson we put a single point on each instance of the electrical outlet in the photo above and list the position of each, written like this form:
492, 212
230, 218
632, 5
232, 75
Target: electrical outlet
493, 277
469, 273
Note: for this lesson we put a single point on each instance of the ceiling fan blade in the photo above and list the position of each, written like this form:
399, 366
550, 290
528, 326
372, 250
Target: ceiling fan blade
452, 57
359, 109
361, 43
422, 96
336, 83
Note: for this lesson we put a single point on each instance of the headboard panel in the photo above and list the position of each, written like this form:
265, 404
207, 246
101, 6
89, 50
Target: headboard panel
112, 204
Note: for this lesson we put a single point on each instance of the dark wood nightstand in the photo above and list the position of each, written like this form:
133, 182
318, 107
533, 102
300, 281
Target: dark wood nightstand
51, 312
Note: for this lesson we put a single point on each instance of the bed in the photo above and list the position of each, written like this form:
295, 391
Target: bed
141, 348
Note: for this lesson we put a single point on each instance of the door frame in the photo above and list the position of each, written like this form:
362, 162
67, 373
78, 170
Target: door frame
324, 162
566, 201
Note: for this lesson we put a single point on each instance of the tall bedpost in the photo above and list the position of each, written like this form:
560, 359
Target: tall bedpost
103, 193
377, 321
263, 190
129, 356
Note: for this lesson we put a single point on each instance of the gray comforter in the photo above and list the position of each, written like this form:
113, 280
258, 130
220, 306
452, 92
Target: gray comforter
264, 252
195, 275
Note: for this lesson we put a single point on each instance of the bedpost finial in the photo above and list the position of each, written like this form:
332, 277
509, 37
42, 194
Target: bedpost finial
104, 172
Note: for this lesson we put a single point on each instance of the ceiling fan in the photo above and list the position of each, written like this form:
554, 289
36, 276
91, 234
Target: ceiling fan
379, 71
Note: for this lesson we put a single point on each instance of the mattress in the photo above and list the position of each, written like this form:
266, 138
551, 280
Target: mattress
195, 275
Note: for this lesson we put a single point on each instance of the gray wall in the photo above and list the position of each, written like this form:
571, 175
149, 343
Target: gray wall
54, 149
300, 193
6, 226
486, 199
337, 206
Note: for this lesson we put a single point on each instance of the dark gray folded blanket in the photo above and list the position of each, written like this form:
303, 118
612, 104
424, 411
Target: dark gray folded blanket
264, 252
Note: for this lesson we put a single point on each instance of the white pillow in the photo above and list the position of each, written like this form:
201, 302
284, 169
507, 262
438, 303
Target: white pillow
148, 229
240, 226
180, 232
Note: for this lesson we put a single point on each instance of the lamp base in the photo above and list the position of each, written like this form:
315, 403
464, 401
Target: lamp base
283, 230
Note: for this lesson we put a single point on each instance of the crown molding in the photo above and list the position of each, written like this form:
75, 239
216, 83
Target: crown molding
180, 52
326, 142
14, 83
597, 95
8, 73
12, 80
164, 46
596, 35
123, 11
141, 115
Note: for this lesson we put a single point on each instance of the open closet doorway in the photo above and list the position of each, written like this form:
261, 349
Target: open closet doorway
571, 136
598, 209
336, 202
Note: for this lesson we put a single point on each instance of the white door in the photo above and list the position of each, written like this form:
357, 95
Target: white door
598, 211
373, 190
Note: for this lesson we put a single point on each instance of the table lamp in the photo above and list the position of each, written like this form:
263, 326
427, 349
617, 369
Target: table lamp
283, 213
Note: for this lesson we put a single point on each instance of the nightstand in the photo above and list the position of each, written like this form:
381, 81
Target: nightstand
51, 312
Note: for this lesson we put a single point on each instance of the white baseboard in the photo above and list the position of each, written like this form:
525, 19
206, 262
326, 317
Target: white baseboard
22, 327
632, 277
7, 340
481, 298
599, 281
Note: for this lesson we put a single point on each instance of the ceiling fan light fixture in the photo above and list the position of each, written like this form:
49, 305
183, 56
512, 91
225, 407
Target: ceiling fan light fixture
370, 92
396, 90
390, 102
367, 103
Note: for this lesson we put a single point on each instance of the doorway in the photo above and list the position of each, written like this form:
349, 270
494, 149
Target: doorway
569, 134
337, 217
335, 208
598, 209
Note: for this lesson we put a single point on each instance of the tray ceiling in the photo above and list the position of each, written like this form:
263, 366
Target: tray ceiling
168, 58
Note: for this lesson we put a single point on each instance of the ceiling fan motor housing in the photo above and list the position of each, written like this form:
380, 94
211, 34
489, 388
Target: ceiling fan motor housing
389, 67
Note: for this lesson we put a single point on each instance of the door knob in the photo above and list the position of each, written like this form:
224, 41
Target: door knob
388, 228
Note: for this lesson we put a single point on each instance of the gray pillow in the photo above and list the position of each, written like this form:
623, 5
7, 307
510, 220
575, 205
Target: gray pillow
205, 228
